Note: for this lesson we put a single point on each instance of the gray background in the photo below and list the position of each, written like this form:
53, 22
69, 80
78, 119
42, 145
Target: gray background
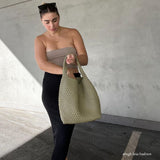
122, 41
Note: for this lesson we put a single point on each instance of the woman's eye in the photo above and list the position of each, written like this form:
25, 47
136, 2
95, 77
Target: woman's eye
54, 20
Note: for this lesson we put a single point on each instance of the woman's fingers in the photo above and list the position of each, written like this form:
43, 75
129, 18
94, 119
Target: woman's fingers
70, 73
72, 76
70, 59
70, 56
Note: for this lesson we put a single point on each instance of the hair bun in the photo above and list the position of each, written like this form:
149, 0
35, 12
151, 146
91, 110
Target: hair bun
47, 7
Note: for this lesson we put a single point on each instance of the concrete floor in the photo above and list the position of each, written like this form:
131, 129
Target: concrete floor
26, 135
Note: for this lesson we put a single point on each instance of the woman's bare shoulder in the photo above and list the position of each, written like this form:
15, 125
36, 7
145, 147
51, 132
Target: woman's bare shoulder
69, 30
41, 37
75, 32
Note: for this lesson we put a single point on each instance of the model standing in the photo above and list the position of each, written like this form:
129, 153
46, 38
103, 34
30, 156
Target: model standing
50, 49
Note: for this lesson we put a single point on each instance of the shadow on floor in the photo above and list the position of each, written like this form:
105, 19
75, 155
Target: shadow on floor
90, 141
38, 148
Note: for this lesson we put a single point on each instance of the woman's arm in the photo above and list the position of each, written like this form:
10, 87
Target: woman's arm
41, 59
79, 45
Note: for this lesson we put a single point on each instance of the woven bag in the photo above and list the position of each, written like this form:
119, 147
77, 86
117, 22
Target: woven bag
78, 99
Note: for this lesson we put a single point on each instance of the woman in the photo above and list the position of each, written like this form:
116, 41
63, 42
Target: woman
50, 49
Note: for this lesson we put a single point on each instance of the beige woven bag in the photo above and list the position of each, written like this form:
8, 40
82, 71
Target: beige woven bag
78, 99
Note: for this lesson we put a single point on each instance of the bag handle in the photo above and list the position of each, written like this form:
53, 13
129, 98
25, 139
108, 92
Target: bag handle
78, 64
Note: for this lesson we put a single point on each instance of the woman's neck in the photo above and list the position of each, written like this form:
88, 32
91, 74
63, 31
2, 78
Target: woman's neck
56, 33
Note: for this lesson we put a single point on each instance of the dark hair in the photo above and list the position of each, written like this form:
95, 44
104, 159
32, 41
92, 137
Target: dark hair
46, 8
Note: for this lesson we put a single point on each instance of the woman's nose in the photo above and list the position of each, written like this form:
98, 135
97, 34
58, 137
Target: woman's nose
51, 24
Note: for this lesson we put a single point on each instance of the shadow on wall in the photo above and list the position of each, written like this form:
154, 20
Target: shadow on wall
21, 24
19, 88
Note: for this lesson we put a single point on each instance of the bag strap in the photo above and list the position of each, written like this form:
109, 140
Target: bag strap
78, 64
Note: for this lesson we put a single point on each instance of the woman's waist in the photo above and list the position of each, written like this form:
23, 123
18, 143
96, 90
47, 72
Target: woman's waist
74, 71
59, 62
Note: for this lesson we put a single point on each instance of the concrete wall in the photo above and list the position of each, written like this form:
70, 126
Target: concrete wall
122, 40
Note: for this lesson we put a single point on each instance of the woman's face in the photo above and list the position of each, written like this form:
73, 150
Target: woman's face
50, 21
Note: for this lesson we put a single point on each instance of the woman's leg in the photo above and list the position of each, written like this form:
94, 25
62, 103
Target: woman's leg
62, 135
62, 138
61, 132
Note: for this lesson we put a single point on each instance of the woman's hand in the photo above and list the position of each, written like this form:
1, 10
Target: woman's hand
70, 59
70, 73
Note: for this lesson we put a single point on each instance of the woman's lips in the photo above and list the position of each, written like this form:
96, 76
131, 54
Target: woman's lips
53, 29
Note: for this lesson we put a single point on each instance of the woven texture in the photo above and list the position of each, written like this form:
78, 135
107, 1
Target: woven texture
78, 99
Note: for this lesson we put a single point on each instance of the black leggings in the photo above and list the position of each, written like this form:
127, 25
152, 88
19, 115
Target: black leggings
61, 132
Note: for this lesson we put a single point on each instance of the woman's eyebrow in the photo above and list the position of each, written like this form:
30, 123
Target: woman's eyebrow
51, 20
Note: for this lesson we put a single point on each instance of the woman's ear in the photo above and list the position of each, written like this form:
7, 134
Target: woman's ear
42, 22
41, 19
